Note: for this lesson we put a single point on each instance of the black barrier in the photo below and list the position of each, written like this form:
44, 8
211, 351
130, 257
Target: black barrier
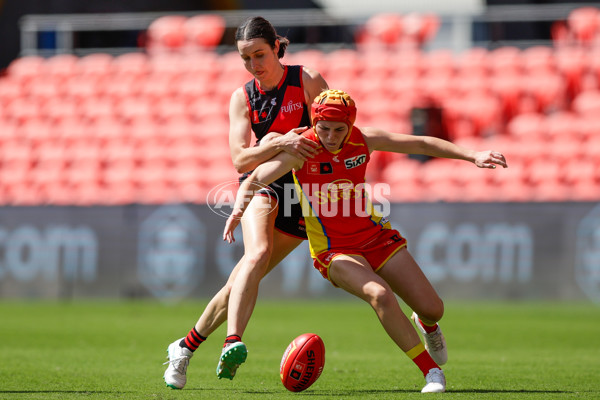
469, 251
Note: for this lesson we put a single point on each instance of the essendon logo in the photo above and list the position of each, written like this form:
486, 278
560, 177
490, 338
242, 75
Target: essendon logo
319, 168
355, 161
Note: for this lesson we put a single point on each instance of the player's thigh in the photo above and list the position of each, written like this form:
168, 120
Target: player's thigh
355, 275
409, 282
283, 245
258, 224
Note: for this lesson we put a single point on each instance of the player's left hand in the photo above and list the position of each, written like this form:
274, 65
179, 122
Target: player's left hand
232, 222
489, 159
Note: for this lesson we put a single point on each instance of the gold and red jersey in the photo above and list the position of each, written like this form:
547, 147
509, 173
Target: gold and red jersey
332, 191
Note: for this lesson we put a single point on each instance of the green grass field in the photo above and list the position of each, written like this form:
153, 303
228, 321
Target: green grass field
111, 350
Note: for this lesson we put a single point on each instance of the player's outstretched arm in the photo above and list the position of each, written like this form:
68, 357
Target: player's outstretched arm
379, 139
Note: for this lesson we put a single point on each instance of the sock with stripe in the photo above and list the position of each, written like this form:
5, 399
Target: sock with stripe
232, 339
192, 340
428, 328
421, 357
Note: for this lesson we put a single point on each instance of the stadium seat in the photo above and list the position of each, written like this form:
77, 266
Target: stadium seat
584, 22
81, 88
61, 66
204, 31
587, 103
166, 33
171, 65
383, 29
505, 60
473, 61
119, 86
134, 64
156, 87
95, 65
21, 109
42, 87
24, 68
56, 110
10, 89
538, 59
563, 124
529, 126
95, 109
572, 63
548, 90
130, 108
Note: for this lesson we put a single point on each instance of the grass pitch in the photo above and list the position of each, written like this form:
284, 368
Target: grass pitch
113, 350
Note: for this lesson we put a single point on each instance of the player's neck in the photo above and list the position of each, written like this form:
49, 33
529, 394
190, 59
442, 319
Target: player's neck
273, 81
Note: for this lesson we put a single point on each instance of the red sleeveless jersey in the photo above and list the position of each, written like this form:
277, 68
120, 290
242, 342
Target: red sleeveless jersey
331, 186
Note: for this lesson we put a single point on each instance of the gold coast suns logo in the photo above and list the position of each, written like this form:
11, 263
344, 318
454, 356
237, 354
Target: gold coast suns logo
339, 190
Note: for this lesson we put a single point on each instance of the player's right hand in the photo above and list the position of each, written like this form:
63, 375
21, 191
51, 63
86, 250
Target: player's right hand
297, 145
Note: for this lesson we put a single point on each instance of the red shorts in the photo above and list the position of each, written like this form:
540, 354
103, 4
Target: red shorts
377, 252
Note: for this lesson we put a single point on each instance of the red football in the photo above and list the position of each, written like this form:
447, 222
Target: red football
302, 362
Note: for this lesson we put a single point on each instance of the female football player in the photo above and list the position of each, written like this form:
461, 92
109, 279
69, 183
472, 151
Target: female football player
351, 244
276, 100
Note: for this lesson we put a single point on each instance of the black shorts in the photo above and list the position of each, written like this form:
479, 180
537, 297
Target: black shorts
289, 218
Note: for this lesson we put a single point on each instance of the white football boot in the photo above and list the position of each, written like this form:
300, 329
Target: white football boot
179, 359
434, 342
232, 356
436, 381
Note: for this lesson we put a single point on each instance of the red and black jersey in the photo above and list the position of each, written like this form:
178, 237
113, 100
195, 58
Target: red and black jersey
281, 109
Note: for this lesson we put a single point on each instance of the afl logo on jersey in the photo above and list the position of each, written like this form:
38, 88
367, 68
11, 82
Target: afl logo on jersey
355, 161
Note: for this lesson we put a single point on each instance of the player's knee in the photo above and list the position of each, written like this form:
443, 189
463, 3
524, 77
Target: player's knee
258, 256
379, 296
433, 312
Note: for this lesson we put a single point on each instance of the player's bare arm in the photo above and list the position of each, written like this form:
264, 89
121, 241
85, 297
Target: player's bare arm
313, 84
380, 139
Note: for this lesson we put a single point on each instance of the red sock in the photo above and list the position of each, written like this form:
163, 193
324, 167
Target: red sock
421, 357
232, 339
192, 340
428, 329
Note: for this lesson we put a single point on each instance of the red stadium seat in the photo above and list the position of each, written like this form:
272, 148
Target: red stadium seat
505, 60
548, 90
61, 66
166, 34
157, 86
81, 88
136, 64
42, 87
58, 109
587, 103
572, 63
473, 61
130, 108
204, 32
584, 22
24, 68
538, 59
96, 64
530, 126
10, 89
120, 86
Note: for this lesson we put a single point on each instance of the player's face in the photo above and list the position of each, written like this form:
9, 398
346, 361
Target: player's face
331, 134
259, 58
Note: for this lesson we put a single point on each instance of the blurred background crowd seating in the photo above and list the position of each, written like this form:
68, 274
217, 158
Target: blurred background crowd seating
151, 127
